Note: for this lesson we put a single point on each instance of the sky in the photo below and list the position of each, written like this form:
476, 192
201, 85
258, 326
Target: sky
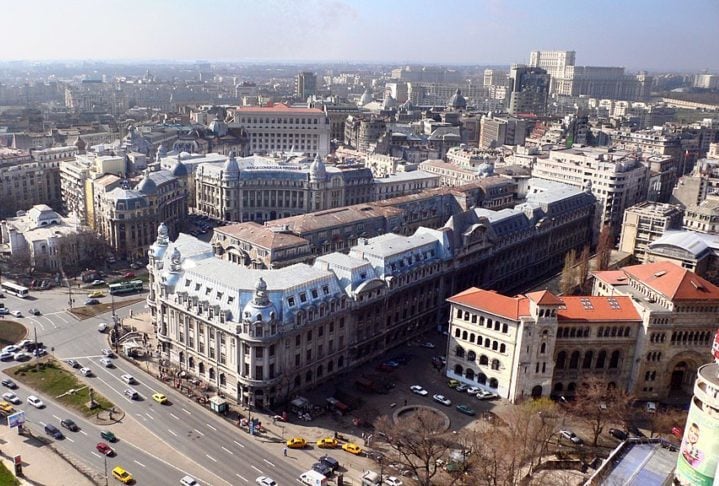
636, 34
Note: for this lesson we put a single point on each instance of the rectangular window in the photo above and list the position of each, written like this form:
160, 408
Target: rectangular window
259, 352
259, 372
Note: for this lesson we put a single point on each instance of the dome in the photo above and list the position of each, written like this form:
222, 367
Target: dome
366, 98
162, 231
80, 144
179, 169
230, 170
317, 169
147, 186
260, 308
457, 101
485, 169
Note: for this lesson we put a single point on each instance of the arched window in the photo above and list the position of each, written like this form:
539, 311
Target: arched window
201, 368
572, 332
493, 383
469, 374
341, 362
481, 378
458, 369
574, 360
561, 360
587, 362
298, 381
471, 356
614, 360
543, 348
571, 387
472, 338
601, 359
502, 348
495, 364
626, 332
464, 335
537, 391
457, 332
308, 376
600, 332
483, 360
191, 362
495, 345
459, 352
487, 342
211, 372
505, 328
320, 371
223, 379
558, 387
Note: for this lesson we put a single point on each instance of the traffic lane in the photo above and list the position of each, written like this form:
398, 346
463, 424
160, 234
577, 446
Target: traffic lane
195, 432
82, 444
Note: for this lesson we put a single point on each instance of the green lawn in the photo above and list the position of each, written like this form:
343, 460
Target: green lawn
54, 380
88, 311
7, 478
11, 332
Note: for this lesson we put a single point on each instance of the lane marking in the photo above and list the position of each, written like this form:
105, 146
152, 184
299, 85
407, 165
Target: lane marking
210, 426
211, 458
174, 416
83, 432
56, 417
151, 417
96, 454
256, 469
42, 327
43, 424
238, 444
50, 321
186, 411
227, 450
172, 432
242, 478
138, 463
199, 432
268, 462
68, 438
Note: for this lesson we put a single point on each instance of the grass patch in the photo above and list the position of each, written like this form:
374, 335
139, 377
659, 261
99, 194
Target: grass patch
11, 332
7, 478
88, 311
50, 378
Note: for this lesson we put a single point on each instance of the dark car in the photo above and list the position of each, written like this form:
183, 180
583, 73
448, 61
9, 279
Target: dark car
9, 383
34, 312
70, 425
330, 462
322, 468
50, 429
618, 434
108, 436
92, 302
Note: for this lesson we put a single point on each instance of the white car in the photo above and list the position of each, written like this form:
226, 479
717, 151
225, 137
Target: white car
107, 362
189, 481
102, 327
419, 390
265, 481
85, 371
35, 401
16, 313
21, 356
12, 398
10, 349
473, 390
4, 311
570, 436
442, 399
107, 352
393, 481
129, 379
485, 395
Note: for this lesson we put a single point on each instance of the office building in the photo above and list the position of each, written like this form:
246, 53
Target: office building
529, 89
645, 223
306, 85
26, 181
496, 131
554, 62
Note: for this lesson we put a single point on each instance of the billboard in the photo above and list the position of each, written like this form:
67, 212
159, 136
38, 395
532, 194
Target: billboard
699, 451
16, 419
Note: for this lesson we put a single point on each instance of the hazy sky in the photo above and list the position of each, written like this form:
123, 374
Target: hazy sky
653, 34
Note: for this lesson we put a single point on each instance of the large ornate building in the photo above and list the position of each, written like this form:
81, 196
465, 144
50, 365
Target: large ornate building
646, 329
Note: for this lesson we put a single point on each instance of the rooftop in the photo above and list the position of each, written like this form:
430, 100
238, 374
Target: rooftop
638, 462
596, 308
673, 282
278, 108
262, 236
307, 223
492, 302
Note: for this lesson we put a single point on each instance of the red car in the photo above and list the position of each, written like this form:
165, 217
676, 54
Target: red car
104, 449
129, 275
677, 432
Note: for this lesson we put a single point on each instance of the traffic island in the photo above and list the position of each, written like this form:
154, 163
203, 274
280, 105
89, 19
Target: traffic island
89, 311
52, 379
11, 332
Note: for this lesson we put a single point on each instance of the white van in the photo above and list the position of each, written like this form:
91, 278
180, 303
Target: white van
313, 478
106, 362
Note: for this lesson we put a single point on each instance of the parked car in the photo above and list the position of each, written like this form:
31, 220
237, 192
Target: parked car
104, 449
70, 425
135, 266
85, 371
21, 356
72, 363
296, 443
128, 275
465, 409
11, 349
9, 383
442, 399
453, 383
97, 283
461, 387
393, 481
352, 448
12, 398
419, 390
39, 352
102, 327
428, 345
4, 311
92, 302
5, 356
618, 434
50, 429
34, 312
35, 401
485, 395
473, 390
570, 436
16, 313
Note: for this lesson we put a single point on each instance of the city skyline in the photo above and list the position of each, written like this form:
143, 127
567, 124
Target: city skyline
328, 31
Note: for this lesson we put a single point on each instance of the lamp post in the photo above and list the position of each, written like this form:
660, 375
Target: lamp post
115, 323
105, 457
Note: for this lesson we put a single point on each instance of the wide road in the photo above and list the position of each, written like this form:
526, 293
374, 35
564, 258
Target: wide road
222, 453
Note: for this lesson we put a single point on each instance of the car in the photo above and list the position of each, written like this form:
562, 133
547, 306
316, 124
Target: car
72, 363
265, 481
473, 390
6, 408
9, 383
453, 383
34, 312
618, 434
70, 425
35, 401
97, 283
4, 311
419, 390
393, 481
428, 345
104, 449
96, 294
107, 352
135, 266
442, 399
128, 275
102, 327
12, 398
129, 379
25, 343
188, 481
108, 436
50, 429
16, 313
465, 409
327, 443
570, 436
651, 407
461, 387
159, 398
5, 356
352, 448
92, 302
107, 362
330, 461
21, 356
322, 468
131, 394
121, 475
11, 349
85, 371
485, 395
39, 352
296, 443
677, 431
111, 259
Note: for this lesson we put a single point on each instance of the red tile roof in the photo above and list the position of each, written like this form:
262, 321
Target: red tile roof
595, 308
493, 303
612, 277
544, 297
673, 282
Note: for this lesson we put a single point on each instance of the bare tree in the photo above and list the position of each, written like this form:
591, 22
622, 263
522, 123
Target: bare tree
568, 278
664, 420
20, 260
416, 441
583, 271
598, 403
604, 247
81, 249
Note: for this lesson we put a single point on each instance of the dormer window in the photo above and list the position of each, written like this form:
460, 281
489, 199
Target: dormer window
303, 297
291, 301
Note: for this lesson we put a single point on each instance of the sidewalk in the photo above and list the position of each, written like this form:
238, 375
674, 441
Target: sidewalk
41, 465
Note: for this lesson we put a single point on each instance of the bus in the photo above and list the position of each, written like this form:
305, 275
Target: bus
15, 289
126, 287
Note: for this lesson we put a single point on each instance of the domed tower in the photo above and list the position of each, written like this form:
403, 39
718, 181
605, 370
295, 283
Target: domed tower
457, 101
366, 98
318, 182
80, 145
155, 255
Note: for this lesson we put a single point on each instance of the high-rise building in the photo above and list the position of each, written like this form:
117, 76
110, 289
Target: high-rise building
645, 223
306, 84
529, 88
497, 131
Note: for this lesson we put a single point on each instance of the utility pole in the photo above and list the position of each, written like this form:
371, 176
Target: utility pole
115, 322
105, 457
34, 351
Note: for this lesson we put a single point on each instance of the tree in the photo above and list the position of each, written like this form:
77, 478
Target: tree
81, 249
604, 247
567, 281
664, 420
599, 403
416, 441
583, 271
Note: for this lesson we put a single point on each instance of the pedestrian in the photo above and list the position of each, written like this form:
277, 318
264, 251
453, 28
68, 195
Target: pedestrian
285, 451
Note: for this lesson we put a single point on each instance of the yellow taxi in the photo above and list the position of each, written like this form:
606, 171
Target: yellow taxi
296, 443
96, 294
6, 408
159, 398
327, 443
121, 475
352, 448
